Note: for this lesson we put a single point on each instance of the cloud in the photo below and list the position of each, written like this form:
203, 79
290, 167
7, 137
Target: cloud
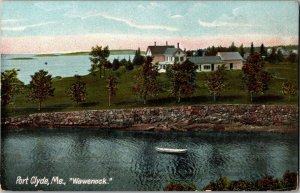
127, 22
217, 23
11, 20
24, 27
234, 20
176, 16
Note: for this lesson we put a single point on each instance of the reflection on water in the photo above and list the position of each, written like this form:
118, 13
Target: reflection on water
130, 159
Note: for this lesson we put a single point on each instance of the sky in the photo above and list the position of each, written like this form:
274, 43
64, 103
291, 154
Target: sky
68, 26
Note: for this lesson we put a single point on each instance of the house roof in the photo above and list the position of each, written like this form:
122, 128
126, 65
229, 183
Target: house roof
230, 56
205, 59
170, 51
159, 49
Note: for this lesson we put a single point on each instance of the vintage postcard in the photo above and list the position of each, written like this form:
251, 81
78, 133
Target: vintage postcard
149, 95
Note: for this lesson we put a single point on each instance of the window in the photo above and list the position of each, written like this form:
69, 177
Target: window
176, 59
181, 59
164, 67
199, 67
231, 66
206, 67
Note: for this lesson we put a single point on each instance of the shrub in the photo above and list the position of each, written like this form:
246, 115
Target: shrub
180, 187
242, 185
290, 179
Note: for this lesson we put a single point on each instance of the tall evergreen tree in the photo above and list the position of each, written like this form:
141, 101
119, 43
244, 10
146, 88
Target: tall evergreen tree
232, 48
116, 64
252, 49
182, 77
262, 50
98, 57
129, 65
138, 58
40, 87
146, 81
241, 50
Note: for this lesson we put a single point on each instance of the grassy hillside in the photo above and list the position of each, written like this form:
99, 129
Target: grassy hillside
97, 94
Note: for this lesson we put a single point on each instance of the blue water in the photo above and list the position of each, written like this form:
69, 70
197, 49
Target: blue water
64, 66
130, 159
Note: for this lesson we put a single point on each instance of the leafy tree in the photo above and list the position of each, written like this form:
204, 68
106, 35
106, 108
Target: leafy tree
40, 87
107, 65
199, 52
215, 82
279, 56
288, 88
146, 80
138, 58
98, 58
10, 86
123, 62
111, 87
182, 77
293, 58
241, 50
272, 57
262, 50
77, 91
211, 51
116, 64
252, 49
255, 78
189, 53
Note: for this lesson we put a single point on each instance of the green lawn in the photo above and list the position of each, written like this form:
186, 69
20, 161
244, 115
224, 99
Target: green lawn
97, 97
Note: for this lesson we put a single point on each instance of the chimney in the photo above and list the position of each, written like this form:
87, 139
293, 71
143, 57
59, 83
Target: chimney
154, 43
177, 45
166, 43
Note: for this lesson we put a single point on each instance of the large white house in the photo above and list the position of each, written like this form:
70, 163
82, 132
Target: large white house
165, 55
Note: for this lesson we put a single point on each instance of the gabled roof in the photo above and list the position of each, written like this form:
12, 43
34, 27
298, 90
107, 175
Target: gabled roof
170, 51
205, 59
230, 56
158, 49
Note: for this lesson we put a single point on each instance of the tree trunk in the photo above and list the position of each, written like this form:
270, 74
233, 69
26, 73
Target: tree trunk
100, 69
214, 98
103, 71
251, 96
40, 105
109, 100
178, 99
289, 97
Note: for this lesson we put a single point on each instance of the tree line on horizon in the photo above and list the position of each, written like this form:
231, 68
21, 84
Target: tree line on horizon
181, 78
274, 57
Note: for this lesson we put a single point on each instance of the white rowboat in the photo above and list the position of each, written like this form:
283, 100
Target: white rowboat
169, 150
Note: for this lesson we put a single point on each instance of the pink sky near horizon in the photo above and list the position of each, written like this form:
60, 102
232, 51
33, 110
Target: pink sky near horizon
73, 43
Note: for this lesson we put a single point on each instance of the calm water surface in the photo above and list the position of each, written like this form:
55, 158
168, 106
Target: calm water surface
64, 66
129, 158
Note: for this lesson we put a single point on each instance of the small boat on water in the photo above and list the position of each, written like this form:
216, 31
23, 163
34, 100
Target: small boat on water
170, 150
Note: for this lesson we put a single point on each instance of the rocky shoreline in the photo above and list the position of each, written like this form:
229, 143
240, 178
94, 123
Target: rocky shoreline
251, 118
